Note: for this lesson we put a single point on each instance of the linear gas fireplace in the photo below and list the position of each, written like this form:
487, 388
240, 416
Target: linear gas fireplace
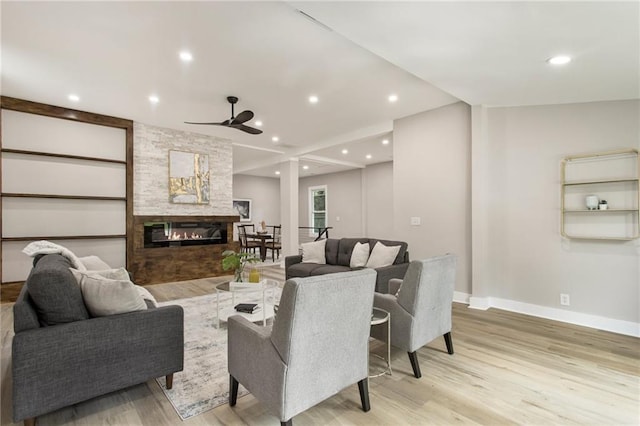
179, 234
177, 248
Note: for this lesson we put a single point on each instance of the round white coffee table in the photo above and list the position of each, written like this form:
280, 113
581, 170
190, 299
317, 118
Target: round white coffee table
265, 304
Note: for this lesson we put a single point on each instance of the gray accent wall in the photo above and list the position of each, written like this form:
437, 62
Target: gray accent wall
378, 200
151, 171
432, 182
264, 194
344, 191
528, 259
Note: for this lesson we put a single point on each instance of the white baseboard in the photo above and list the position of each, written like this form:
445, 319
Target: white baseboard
627, 328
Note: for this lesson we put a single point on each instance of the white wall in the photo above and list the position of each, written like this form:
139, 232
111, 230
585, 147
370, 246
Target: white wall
432, 181
344, 201
529, 262
264, 194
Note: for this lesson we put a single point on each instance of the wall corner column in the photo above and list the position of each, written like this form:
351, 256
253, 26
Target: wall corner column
479, 208
289, 206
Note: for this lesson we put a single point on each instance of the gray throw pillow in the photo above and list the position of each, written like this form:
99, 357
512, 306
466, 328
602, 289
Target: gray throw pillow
55, 292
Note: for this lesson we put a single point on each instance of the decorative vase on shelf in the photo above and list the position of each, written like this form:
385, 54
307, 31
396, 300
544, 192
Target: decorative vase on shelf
603, 205
592, 202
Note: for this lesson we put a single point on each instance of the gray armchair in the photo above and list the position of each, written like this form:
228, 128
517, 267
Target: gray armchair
318, 344
421, 310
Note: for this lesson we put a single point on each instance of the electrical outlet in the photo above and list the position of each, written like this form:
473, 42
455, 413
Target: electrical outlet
564, 299
415, 221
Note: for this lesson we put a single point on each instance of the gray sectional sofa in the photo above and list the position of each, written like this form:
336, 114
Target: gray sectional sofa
62, 356
338, 255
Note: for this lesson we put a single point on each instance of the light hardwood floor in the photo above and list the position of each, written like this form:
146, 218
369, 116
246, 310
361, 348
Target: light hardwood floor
507, 369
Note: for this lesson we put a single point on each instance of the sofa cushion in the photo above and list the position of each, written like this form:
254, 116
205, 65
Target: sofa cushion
301, 269
55, 292
109, 292
346, 248
313, 252
331, 251
94, 263
329, 269
359, 255
401, 254
382, 255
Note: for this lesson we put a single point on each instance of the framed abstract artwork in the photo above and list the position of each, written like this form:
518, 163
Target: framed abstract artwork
243, 208
188, 178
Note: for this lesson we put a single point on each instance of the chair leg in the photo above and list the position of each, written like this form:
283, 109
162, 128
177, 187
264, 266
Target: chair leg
169, 380
363, 386
413, 357
233, 390
287, 423
449, 342
31, 421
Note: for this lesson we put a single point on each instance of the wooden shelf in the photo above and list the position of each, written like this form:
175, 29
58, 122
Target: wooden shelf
575, 237
599, 181
602, 211
577, 220
62, 197
65, 237
51, 154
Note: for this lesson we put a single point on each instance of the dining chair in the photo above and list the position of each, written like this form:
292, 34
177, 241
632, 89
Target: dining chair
275, 245
246, 245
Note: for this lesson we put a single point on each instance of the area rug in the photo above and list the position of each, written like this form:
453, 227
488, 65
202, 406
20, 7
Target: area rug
204, 383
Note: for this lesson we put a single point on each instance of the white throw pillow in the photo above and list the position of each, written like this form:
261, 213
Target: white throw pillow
313, 252
382, 255
94, 263
146, 295
359, 255
109, 292
112, 274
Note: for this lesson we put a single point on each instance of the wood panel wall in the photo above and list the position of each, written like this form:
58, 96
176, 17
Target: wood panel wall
10, 291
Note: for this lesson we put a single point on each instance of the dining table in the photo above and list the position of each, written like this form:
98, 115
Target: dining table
262, 237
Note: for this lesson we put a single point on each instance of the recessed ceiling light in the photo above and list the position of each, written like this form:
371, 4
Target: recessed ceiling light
258, 123
186, 56
154, 99
345, 151
313, 99
393, 98
305, 167
275, 139
73, 98
385, 141
277, 172
559, 60
368, 156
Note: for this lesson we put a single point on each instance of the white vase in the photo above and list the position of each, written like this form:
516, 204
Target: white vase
592, 202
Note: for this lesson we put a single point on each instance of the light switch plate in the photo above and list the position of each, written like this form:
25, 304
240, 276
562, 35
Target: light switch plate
415, 221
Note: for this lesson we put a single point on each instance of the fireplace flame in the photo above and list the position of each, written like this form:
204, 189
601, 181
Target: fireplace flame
185, 236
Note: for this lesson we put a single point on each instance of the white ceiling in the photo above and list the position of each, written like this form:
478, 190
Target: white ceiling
115, 54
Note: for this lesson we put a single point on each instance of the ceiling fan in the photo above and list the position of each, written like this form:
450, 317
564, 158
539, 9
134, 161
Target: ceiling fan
235, 122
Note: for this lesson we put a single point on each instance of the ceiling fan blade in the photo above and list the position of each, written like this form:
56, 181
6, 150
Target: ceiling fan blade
246, 129
224, 123
243, 117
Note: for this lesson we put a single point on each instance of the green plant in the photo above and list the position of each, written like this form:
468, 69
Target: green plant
237, 261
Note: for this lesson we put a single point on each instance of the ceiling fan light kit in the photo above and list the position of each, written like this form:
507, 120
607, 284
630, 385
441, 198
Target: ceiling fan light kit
235, 122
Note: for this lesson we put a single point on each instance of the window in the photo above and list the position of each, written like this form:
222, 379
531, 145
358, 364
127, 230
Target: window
317, 208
